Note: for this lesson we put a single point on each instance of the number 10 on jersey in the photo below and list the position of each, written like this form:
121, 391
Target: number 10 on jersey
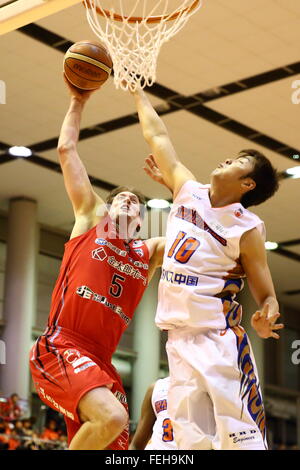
183, 247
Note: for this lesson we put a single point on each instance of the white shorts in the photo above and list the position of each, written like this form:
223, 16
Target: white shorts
214, 397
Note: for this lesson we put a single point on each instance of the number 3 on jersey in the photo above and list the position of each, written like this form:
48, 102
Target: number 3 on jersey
185, 250
167, 430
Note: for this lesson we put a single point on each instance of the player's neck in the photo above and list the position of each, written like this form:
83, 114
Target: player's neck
123, 234
222, 195
125, 229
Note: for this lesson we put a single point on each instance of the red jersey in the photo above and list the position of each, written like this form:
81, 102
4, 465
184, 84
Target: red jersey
100, 284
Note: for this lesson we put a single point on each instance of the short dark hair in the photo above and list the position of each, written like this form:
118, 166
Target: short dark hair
265, 176
121, 189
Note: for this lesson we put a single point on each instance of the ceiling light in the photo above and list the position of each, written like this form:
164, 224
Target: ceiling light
293, 172
271, 245
158, 204
19, 151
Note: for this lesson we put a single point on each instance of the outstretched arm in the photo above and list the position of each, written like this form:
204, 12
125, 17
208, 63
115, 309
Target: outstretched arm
174, 173
77, 183
254, 261
145, 424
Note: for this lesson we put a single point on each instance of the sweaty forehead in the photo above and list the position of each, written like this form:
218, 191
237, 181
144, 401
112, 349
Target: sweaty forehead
127, 193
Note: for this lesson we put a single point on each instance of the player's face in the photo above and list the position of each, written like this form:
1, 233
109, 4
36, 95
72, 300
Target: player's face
234, 169
125, 204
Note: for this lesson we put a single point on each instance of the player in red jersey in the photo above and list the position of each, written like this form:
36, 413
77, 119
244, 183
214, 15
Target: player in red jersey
102, 278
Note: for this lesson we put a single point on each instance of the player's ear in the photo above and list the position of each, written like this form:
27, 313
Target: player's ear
248, 184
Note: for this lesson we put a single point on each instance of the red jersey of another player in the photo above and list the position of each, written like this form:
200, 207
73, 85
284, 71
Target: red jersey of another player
100, 284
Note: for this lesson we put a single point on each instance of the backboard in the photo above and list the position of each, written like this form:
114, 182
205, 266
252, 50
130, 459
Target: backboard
17, 13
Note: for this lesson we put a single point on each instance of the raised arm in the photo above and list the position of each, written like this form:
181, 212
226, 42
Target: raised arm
82, 196
174, 173
145, 424
254, 261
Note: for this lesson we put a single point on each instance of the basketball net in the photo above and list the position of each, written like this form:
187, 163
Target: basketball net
134, 37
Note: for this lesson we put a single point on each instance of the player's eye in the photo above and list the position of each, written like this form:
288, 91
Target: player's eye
134, 200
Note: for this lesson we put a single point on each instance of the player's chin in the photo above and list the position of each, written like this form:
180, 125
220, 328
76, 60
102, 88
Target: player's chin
125, 220
124, 214
218, 173
129, 213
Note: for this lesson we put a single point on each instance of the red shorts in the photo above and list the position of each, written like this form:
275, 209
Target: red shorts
64, 367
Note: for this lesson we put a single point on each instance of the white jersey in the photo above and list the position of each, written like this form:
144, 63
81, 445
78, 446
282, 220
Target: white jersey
201, 272
162, 434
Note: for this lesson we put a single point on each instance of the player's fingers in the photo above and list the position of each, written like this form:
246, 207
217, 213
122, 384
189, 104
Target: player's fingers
153, 159
274, 317
274, 335
265, 310
150, 158
69, 84
151, 174
256, 315
278, 327
146, 164
150, 163
147, 170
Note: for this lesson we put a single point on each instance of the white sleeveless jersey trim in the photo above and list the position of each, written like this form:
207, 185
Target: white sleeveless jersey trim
201, 259
159, 402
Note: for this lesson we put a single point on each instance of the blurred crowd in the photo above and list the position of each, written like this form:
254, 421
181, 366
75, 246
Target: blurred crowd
20, 433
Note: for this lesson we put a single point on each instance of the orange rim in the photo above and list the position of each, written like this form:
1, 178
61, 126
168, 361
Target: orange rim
139, 19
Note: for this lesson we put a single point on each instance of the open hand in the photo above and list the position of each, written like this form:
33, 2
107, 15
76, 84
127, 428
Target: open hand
152, 170
265, 326
80, 95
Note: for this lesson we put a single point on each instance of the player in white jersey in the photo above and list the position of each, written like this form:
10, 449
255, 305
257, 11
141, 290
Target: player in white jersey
213, 241
154, 430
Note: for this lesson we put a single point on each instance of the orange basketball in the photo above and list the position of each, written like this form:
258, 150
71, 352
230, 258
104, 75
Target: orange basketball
87, 65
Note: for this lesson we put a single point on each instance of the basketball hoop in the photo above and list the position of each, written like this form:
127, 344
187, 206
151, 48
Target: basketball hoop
134, 37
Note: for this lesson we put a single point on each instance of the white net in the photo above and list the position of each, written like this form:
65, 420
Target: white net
134, 33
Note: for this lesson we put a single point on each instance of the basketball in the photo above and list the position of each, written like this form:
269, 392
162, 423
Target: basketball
87, 65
